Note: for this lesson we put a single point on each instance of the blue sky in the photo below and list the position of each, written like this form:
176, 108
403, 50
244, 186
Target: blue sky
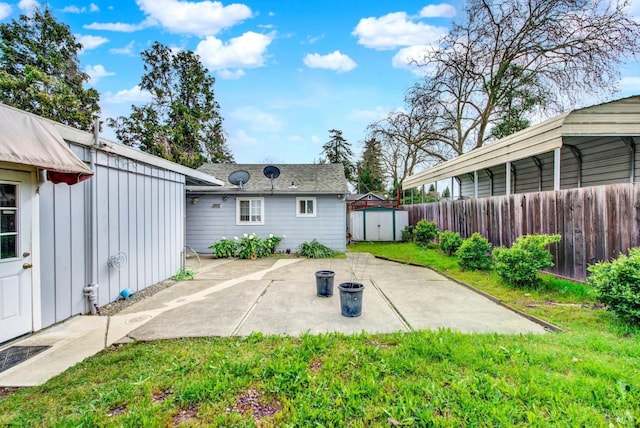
286, 71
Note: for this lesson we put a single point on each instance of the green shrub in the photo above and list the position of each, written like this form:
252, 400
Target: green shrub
407, 234
224, 248
272, 242
247, 247
618, 285
315, 250
252, 247
449, 241
425, 232
520, 264
474, 253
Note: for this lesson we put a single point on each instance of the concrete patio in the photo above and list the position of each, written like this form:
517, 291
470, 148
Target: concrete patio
273, 296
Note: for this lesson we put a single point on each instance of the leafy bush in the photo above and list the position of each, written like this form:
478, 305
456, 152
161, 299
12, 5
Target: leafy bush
407, 234
272, 242
251, 247
184, 274
425, 232
224, 248
247, 247
315, 250
474, 254
520, 264
449, 241
618, 285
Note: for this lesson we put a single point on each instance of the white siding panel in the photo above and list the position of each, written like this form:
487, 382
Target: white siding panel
139, 214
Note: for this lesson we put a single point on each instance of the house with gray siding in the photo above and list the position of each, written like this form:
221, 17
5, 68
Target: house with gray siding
299, 202
82, 219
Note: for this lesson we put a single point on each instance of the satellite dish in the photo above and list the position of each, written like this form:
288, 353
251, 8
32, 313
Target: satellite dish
271, 172
239, 178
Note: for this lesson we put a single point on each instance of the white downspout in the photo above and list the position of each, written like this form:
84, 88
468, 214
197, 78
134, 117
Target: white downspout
91, 290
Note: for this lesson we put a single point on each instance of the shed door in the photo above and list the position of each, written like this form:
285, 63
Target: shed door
15, 251
379, 225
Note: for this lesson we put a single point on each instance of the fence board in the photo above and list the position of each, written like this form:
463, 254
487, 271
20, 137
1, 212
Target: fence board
595, 223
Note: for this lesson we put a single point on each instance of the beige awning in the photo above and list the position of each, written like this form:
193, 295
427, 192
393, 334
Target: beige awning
27, 140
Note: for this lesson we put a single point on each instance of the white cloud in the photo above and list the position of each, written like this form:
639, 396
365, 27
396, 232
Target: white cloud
73, 9
245, 51
227, 74
368, 116
133, 95
394, 30
90, 42
257, 120
333, 61
630, 84
97, 72
119, 26
125, 50
203, 18
27, 6
315, 139
409, 58
5, 10
241, 138
442, 10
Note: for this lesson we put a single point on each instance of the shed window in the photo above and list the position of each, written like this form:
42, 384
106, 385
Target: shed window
250, 211
306, 207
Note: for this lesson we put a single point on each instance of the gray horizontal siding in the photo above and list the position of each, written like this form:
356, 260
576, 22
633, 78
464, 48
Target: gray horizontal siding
212, 218
139, 217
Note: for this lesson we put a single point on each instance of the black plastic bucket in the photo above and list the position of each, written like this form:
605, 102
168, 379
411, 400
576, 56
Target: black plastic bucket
351, 298
324, 282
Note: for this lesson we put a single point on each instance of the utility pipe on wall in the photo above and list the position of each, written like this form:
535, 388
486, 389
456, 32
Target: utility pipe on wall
91, 290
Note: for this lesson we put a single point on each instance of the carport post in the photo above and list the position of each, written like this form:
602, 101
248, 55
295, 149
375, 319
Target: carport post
475, 184
556, 169
508, 179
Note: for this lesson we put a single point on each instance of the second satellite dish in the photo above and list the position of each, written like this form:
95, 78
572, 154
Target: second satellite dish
271, 171
239, 178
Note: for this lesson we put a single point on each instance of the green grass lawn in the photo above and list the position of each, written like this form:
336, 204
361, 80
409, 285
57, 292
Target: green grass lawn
587, 375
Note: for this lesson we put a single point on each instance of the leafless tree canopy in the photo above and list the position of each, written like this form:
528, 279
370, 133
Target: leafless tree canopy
506, 60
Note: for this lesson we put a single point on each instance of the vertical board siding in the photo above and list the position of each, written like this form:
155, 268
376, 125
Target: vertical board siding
139, 216
213, 218
595, 223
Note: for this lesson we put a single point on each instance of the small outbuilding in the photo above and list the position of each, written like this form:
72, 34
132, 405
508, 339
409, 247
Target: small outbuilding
300, 202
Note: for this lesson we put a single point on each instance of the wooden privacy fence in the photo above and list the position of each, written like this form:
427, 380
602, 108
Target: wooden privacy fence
595, 223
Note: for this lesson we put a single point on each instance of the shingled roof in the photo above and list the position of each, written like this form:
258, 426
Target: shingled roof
294, 178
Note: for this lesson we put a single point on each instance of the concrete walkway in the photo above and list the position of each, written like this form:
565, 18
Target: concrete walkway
273, 296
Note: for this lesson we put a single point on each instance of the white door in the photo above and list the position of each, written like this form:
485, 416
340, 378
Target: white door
16, 302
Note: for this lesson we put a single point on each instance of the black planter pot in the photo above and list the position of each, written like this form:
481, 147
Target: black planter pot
351, 298
324, 282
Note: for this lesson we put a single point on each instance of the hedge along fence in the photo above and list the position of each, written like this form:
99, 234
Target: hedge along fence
595, 223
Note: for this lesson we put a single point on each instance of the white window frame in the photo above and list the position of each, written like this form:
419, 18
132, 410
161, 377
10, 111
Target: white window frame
306, 199
249, 223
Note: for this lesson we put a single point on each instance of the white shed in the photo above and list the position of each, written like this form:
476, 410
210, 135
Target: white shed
377, 224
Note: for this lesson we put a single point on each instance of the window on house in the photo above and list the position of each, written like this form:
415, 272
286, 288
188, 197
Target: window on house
250, 211
306, 207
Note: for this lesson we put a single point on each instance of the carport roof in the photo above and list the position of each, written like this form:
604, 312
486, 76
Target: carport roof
615, 118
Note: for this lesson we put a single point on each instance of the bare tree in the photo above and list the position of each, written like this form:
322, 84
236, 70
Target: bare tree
508, 58
409, 139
